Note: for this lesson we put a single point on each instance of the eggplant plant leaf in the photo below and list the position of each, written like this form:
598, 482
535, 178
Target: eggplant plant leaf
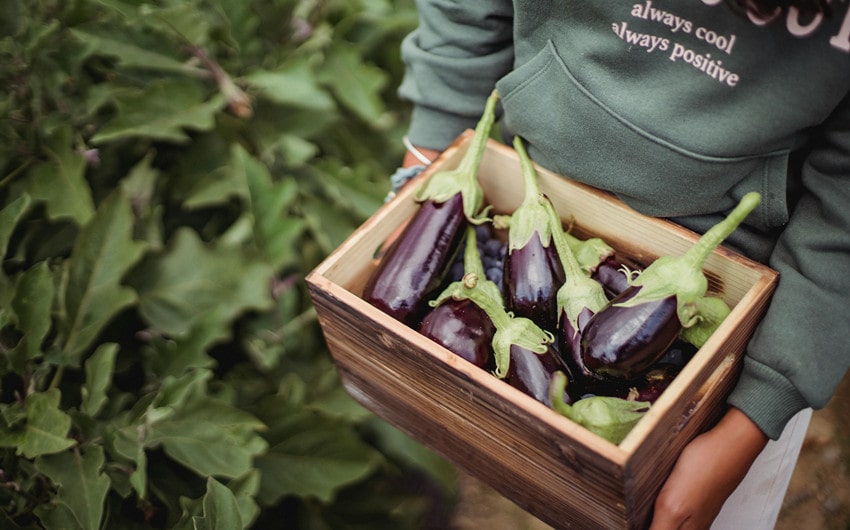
82, 486
209, 437
245, 490
102, 254
173, 356
128, 443
59, 181
221, 509
182, 19
46, 430
355, 83
9, 217
99, 369
294, 85
311, 456
191, 283
130, 55
275, 232
162, 111
32, 304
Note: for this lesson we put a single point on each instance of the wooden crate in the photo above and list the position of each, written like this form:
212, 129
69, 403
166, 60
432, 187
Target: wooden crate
545, 463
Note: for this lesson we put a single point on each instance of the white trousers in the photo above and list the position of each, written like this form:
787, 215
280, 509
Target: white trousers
756, 503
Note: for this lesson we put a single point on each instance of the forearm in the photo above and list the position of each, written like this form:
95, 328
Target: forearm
452, 62
707, 472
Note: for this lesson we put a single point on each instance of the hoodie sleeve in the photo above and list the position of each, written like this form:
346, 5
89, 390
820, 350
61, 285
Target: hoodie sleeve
452, 61
801, 349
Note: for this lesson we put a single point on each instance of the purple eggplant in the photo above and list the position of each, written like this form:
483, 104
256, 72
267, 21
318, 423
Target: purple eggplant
651, 384
531, 372
635, 329
458, 323
647, 387
533, 271
613, 276
463, 328
414, 266
645, 331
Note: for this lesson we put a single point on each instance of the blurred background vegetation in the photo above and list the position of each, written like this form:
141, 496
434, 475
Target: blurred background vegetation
170, 170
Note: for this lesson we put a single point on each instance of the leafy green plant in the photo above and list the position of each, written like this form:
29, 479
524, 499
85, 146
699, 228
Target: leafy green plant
169, 172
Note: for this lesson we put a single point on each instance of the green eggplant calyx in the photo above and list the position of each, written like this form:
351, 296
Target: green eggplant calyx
501, 221
589, 252
579, 290
474, 284
682, 276
711, 312
463, 179
609, 417
530, 216
519, 331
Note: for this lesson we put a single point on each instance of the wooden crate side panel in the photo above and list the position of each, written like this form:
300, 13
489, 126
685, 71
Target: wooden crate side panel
470, 421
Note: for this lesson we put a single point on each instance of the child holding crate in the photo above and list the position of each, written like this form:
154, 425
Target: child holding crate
679, 108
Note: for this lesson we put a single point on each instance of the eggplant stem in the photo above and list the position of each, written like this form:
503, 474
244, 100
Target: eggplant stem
530, 185
699, 251
530, 216
463, 179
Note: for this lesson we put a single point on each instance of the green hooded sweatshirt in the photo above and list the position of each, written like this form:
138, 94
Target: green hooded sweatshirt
680, 108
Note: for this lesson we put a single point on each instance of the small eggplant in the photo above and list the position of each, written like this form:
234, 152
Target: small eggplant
613, 276
459, 324
463, 328
578, 299
646, 388
651, 384
635, 329
531, 372
414, 266
533, 271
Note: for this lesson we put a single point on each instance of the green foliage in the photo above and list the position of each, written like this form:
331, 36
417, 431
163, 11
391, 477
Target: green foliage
170, 170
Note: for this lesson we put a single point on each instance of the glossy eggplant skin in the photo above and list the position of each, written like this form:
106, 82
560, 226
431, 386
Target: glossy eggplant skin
531, 372
609, 273
463, 328
622, 342
414, 266
569, 347
533, 275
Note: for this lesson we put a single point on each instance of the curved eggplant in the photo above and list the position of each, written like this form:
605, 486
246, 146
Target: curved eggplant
413, 268
622, 341
635, 329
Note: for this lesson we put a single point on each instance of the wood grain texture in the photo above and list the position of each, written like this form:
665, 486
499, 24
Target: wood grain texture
545, 463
